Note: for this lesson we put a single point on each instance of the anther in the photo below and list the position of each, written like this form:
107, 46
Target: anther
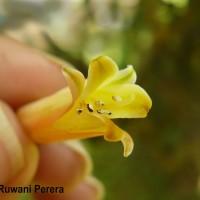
99, 103
79, 111
116, 98
90, 107
102, 111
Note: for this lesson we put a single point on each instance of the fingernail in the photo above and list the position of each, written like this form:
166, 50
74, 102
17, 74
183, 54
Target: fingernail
96, 186
89, 189
11, 154
77, 146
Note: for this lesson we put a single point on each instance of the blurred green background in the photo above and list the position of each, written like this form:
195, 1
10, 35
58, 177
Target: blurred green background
161, 39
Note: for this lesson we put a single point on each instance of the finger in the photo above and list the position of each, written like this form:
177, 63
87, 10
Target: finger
62, 165
89, 189
25, 74
18, 155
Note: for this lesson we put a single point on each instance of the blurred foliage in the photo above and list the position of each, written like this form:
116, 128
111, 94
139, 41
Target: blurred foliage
161, 38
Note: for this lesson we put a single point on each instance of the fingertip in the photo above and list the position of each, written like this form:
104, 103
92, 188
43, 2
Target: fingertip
88, 189
21, 64
61, 165
78, 147
19, 156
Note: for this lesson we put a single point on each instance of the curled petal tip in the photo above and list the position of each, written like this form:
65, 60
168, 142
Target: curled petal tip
128, 144
116, 134
75, 80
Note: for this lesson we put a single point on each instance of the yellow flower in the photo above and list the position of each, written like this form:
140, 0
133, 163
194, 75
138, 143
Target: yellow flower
84, 109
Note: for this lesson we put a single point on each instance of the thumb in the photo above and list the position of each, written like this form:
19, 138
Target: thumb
18, 155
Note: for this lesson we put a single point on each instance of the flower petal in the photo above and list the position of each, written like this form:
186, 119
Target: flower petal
70, 126
124, 101
116, 134
127, 75
84, 122
127, 143
101, 71
67, 128
43, 112
75, 80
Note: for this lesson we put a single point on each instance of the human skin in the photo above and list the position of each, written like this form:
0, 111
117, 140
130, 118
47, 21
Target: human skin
25, 76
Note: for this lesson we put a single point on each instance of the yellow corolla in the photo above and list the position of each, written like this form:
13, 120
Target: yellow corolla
85, 107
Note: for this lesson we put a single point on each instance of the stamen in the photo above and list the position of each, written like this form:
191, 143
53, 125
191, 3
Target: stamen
102, 111
79, 111
99, 103
90, 107
116, 98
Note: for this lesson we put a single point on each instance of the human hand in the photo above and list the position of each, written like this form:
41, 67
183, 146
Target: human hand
25, 76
